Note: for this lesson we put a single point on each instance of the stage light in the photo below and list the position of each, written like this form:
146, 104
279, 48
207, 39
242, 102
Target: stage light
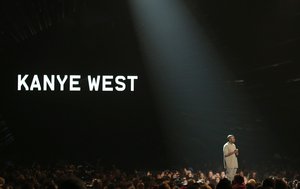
187, 75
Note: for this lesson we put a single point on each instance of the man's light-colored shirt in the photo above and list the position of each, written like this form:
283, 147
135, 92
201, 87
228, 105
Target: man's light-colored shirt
229, 161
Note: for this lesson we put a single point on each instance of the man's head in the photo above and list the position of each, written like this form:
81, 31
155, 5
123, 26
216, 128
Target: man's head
231, 138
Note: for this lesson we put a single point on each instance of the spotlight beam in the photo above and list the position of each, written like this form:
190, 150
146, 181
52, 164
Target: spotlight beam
186, 73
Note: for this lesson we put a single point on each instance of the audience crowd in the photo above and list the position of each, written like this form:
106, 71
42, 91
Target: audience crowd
72, 176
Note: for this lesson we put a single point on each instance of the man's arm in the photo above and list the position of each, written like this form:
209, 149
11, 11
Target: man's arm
227, 154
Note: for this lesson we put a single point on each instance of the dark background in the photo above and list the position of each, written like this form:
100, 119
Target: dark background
260, 43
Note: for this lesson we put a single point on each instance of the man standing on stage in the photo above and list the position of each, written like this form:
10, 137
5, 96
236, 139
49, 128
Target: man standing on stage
230, 160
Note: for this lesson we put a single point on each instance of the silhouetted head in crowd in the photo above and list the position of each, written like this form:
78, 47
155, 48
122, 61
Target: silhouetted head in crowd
238, 182
268, 183
49, 185
71, 183
140, 185
212, 185
224, 184
113, 186
280, 184
97, 184
238, 179
194, 186
28, 184
164, 186
205, 186
250, 186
